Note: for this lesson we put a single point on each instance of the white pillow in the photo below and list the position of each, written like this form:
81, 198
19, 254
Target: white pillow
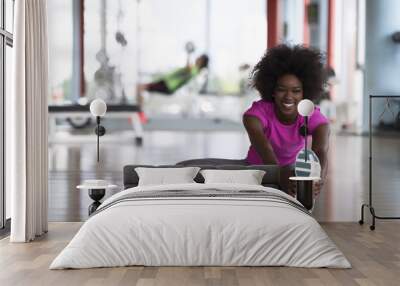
163, 176
248, 177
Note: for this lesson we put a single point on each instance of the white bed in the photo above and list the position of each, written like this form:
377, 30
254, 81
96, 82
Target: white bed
224, 225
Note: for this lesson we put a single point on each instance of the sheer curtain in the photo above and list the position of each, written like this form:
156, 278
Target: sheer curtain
27, 122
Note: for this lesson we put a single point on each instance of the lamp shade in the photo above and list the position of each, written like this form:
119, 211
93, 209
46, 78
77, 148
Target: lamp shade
305, 107
98, 107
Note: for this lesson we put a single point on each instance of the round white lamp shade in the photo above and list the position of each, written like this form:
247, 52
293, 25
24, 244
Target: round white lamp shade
98, 107
305, 107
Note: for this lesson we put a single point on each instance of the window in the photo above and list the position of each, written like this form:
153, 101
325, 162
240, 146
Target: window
6, 43
155, 33
60, 33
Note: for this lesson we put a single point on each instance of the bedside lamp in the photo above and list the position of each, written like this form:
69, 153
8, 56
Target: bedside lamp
98, 108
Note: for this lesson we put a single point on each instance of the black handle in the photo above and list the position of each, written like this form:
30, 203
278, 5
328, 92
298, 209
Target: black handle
100, 131
305, 193
305, 138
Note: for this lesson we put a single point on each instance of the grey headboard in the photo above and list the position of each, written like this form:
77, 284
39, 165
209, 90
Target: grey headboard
270, 179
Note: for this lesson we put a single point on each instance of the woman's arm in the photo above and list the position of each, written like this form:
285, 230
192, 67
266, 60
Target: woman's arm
257, 138
263, 147
320, 145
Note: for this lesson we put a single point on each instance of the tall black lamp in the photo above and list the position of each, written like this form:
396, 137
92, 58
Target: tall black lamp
98, 108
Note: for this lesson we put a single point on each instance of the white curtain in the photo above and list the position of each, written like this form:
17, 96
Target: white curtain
27, 122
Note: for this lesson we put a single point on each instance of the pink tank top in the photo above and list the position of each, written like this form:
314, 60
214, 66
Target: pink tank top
285, 139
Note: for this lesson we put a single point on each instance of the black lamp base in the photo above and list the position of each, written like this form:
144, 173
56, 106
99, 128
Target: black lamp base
93, 207
96, 195
305, 193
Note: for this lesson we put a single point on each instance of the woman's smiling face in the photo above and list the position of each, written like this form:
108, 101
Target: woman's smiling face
288, 93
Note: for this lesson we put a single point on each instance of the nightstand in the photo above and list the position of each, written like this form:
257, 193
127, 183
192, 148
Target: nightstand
96, 190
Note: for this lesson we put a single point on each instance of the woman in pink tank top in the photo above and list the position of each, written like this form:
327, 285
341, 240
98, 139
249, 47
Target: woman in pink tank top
283, 77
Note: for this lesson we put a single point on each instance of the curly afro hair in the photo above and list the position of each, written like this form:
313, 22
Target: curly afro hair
305, 63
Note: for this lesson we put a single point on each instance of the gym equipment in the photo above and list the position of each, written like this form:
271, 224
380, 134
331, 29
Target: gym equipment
190, 49
113, 111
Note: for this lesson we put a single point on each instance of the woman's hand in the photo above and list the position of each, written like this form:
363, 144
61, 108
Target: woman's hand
317, 187
292, 188
320, 145
285, 172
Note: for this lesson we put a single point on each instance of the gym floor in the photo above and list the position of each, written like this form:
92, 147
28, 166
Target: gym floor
346, 187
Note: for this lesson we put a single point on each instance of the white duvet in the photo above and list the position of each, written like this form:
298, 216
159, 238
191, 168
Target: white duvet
200, 231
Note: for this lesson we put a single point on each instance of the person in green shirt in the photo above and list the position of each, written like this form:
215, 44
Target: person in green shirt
170, 82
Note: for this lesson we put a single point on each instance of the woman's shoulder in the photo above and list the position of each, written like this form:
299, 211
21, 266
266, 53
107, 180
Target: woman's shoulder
317, 119
317, 115
262, 110
262, 105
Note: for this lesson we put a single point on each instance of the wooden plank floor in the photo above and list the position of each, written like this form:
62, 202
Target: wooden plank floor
375, 257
